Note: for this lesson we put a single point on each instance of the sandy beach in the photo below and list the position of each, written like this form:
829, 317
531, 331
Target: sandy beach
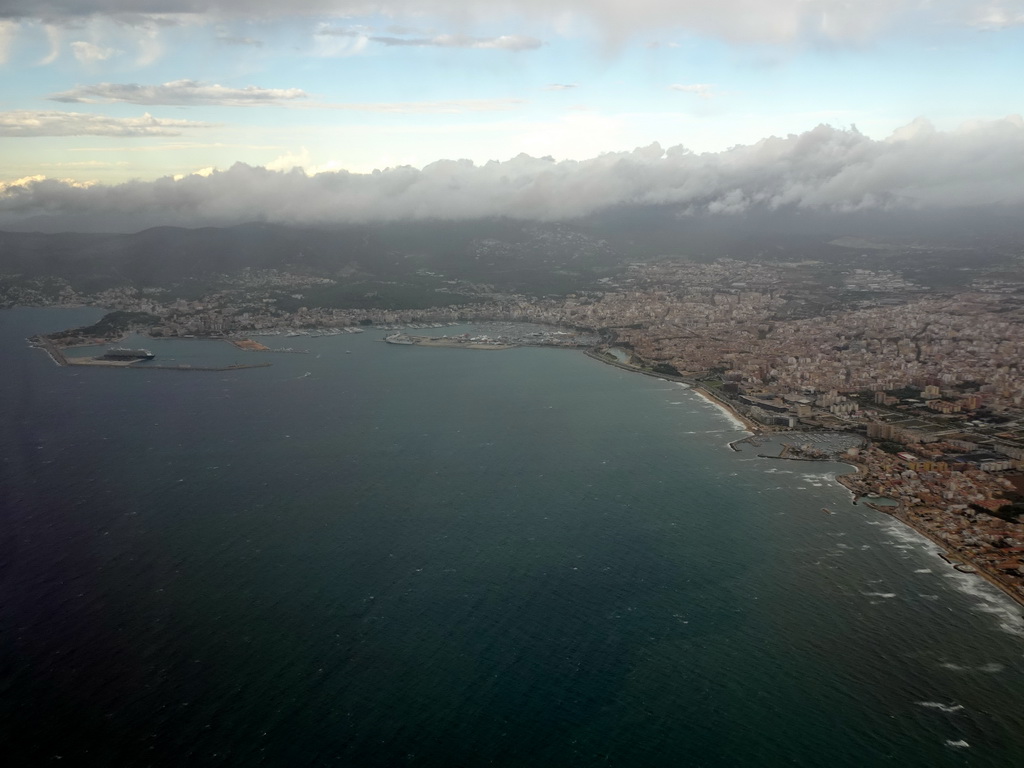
734, 416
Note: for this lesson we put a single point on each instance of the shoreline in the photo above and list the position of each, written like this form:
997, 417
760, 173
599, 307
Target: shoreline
849, 481
902, 515
731, 413
852, 482
979, 570
735, 416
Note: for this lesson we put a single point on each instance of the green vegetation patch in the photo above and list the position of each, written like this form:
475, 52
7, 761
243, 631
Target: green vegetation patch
111, 324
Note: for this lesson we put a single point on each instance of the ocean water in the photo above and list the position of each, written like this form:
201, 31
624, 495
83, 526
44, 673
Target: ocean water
370, 555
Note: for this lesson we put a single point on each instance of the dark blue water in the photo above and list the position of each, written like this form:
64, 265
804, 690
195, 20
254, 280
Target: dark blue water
371, 555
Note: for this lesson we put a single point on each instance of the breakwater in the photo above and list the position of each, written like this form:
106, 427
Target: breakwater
237, 367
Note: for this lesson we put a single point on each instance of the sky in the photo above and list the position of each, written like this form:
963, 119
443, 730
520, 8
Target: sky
313, 110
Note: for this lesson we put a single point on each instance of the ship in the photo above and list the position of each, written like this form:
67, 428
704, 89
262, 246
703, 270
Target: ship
123, 353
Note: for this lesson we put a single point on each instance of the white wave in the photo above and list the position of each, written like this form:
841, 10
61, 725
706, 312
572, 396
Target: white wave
883, 595
992, 601
991, 668
923, 570
818, 477
959, 744
740, 426
907, 535
949, 709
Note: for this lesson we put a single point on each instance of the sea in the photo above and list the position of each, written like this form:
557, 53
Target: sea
375, 555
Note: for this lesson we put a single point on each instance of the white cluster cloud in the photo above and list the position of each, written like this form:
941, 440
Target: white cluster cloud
178, 92
779, 21
88, 53
826, 168
31, 123
1000, 16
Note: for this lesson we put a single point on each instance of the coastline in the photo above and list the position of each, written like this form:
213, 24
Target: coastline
849, 481
735, 416
854, 482
901, 514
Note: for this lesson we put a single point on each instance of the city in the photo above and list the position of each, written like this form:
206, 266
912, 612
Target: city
932, 379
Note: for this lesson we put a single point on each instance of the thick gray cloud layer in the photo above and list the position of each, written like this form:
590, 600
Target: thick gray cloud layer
178, 92
778, 21
25, 123
823, 169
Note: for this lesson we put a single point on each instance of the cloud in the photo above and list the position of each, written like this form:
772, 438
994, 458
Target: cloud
178, 92
400, 38
998, 16
742, 21
235, 40
503, 43
193, 93
54, 37
27, 123
560, 86
703, 90
977, 166
88, 53
327, 30
8, 32
16, 186
453, 107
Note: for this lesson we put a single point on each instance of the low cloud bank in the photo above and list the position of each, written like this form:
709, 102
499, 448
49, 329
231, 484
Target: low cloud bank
824, 169
25, 123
